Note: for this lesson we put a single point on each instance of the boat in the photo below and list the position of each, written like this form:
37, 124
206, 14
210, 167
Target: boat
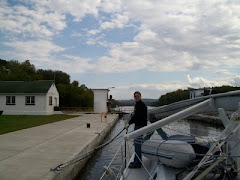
184, 157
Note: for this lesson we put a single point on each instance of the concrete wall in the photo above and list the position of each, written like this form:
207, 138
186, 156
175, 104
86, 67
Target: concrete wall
41, 106
71, 171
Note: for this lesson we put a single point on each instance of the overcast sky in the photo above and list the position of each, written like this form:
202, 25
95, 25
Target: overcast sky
153, 46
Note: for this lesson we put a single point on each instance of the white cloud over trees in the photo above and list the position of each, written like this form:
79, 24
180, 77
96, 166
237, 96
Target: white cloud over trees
168, 36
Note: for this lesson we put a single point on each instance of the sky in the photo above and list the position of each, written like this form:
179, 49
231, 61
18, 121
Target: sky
151, 46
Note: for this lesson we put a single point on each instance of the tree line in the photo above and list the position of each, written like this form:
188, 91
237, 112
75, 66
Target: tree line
70, 94
180, 94
76, 95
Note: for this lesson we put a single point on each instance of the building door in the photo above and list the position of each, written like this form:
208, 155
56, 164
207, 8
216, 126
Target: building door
55, 102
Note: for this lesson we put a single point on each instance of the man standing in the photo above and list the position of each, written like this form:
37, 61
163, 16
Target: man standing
139, 118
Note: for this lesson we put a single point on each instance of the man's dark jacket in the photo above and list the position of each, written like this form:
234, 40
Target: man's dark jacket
140, 114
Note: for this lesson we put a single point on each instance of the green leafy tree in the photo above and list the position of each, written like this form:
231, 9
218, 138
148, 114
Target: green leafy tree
62, 77
180, 95
3, 70
71, 94
75, 83
28, 68
172, 97
223, 89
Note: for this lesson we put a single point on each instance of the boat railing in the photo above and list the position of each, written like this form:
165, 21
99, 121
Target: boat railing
111, 170
172, 108
208, 101
178, 116
228, 132
125, 109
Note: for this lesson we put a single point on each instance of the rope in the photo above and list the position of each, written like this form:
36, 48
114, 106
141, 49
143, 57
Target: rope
85, 155
153, 170
144, 166
108, 169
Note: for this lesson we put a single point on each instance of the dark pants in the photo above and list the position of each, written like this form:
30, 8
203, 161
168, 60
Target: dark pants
138, 147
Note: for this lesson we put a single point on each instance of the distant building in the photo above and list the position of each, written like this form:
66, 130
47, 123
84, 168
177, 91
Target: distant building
100, 100
28, 98
194, 93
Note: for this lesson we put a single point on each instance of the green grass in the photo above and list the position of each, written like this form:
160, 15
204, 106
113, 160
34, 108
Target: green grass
10, 123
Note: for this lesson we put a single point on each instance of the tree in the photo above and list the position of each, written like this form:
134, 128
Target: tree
45, 74
75, 83
61, 77
71, 94
3, 70
172, 97
28, 67
224, 89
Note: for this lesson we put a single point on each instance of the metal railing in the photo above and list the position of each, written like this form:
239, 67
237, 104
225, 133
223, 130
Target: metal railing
81, 109
125, 109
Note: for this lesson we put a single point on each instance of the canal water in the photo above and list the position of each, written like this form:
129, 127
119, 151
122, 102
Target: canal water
94, 169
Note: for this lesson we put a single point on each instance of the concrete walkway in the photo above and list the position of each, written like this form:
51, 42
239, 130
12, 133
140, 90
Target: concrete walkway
30, 153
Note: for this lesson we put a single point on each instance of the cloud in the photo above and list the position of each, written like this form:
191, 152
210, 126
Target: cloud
119, 21
223, 72
147, 90
77, 9
41, 52
200, 82
147, 51
75, 64
43, 19
177, 36
236, 81
93, 32
110, 6
150, 90
30, 21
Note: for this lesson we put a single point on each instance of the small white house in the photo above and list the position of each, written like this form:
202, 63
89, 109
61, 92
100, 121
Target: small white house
28, 98
194, 93
100, 100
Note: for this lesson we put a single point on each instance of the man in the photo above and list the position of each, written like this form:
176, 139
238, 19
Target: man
139, 118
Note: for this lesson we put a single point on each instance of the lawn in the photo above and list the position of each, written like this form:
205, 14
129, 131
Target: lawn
10, 123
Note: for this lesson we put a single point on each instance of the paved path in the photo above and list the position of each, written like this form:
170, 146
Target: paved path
30, 153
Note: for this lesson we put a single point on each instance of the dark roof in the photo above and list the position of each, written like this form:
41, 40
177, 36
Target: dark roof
25, 86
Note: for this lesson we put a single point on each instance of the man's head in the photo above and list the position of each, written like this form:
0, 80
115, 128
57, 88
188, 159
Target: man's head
137, 96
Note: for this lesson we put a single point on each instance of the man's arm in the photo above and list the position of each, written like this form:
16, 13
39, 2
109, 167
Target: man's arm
133, 119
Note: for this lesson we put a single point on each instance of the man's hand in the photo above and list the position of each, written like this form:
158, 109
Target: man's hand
126, 126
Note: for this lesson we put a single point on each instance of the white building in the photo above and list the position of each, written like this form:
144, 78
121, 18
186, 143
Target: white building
28, 98
194, 93
100, 100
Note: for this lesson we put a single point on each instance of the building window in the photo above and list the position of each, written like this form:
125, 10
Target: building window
10, 100
30, 100
50, 100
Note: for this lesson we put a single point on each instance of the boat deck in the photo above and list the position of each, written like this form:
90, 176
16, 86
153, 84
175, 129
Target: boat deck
157, 171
